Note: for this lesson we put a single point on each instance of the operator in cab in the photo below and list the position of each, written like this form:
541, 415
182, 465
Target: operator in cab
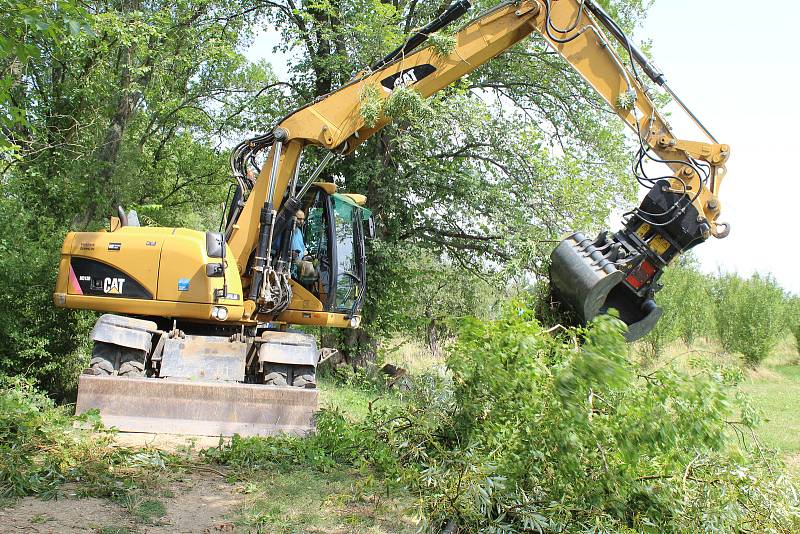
302, 268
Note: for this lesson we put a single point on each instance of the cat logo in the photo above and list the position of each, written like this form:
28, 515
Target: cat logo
407, 77
113, 286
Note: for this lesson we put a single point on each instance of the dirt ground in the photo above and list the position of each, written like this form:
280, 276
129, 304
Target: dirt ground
201, 499
164, 442
200, 503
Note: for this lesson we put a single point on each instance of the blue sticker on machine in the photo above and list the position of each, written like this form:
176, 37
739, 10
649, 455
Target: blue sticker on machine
183, 284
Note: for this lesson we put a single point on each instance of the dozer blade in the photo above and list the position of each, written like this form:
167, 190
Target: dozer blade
167, 406
585, 275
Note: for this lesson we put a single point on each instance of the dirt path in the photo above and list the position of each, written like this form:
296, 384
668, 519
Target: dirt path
67, 516
201, 502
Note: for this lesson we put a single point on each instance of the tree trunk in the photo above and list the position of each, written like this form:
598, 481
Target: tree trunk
126, 106
432, 339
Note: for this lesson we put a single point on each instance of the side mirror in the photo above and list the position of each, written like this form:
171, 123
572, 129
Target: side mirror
369, 232
123, 218
215, 244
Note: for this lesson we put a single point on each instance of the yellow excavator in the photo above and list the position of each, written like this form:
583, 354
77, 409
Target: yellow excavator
195, 337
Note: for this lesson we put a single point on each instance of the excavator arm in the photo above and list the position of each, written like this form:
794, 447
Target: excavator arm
589, 275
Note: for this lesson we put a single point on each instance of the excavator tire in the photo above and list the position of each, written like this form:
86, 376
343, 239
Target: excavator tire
299, 376
108, 359
276, 374
304, 376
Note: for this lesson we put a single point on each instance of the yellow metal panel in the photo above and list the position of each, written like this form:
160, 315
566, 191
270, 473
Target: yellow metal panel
303, 299
328, 187
335, 320
245, 233
659, 245
154, 308
643, 230
131, 249
182, 277
358, 199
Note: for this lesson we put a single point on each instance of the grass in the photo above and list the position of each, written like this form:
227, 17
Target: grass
351, 400
149, 511
297, 499
288, 499
775, 390
305, 500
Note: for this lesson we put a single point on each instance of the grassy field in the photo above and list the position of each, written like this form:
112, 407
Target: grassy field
775, 390
300, 499
305, 500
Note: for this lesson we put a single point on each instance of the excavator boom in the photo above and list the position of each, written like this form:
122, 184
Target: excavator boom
589, 275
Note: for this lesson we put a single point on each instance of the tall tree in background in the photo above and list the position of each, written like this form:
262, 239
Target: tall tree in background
131, 108
515, 153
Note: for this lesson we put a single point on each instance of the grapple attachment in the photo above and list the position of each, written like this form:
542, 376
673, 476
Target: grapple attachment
592, 276
620, 271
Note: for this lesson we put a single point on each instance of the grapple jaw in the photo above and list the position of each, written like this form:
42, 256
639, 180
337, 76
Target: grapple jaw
590, 277
620, 271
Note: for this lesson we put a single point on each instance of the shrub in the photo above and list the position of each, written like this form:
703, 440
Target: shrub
793, 320
548, 435
688, 308
41, 341
749, 315
40, 449
537, 433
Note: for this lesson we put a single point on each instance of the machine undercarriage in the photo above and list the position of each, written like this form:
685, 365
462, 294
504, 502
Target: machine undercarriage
202, 383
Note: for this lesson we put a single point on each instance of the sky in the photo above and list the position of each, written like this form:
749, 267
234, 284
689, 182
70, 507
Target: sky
737, 68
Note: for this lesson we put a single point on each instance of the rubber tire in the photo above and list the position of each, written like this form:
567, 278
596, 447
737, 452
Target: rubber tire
108, 359
276, 374
304, 376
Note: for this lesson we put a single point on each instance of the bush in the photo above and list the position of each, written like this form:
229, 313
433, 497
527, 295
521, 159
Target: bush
793, 320
40, 449
552, 436
688, 308
41, 341
749, 315
537, 433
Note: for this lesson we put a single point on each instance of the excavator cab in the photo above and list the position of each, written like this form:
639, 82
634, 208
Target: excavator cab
333, 236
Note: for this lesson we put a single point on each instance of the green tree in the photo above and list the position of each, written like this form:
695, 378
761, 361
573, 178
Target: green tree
793, 320
749, 315
687, 304
27, 31
133, 111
